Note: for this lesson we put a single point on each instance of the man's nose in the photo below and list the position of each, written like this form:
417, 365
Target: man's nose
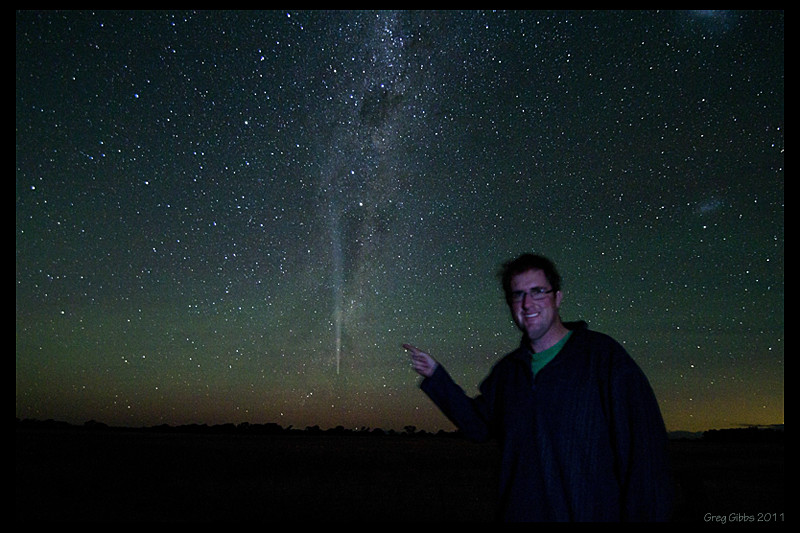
527, 300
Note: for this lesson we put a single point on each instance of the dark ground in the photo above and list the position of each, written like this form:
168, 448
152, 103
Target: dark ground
129, 475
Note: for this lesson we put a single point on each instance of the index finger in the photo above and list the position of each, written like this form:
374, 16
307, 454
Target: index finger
412, 349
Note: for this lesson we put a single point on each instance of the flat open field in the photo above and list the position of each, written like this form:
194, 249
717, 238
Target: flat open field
124, 476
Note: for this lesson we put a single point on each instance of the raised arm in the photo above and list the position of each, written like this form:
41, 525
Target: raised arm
468, 414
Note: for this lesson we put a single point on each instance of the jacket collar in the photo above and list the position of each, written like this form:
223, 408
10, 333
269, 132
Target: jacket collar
524, 350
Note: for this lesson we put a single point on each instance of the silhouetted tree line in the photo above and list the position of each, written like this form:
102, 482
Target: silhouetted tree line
748, 434
230, 428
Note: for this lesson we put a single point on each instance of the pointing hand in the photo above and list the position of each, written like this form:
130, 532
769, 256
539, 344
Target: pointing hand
423, 364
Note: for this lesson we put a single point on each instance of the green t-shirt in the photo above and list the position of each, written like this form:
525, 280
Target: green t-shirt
542, 358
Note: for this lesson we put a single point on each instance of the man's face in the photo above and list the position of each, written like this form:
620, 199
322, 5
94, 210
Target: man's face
538, 318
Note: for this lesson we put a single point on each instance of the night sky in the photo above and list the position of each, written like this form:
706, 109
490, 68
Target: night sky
227, 217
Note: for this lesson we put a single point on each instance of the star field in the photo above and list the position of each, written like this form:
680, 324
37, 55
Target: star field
241, 216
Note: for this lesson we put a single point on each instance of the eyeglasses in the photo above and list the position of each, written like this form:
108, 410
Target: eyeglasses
536, 293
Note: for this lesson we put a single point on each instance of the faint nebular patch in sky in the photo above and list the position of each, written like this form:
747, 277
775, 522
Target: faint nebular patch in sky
715, 20
708, 13
710, 205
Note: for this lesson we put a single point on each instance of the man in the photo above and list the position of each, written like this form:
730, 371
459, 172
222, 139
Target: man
581, 433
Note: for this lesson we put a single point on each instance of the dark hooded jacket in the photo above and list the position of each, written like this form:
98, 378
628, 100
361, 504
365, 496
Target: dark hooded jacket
582, 441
